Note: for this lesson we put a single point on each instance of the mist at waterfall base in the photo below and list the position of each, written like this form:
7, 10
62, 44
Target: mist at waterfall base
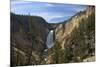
50, 40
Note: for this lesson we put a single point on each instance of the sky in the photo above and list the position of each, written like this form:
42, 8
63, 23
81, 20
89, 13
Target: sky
51, 12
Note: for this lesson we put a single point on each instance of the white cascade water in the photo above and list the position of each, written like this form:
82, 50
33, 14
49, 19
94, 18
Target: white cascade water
49, 41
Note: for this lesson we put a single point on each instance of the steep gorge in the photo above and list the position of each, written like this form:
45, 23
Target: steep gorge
74, 39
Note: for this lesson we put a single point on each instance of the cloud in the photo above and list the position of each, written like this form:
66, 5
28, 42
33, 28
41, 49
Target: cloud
49, 11
50, 17
49, 5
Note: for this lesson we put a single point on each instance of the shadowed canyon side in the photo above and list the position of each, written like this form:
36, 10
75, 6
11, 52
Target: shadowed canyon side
74, 39
28, 37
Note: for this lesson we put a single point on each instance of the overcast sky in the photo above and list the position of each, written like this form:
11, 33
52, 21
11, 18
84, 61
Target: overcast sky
51, 12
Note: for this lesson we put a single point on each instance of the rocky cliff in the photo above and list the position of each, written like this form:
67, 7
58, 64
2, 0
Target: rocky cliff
74, 39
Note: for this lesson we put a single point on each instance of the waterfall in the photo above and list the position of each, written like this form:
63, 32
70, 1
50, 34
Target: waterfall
50, 39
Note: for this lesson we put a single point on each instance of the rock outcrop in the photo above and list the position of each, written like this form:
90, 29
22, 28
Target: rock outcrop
74, 38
